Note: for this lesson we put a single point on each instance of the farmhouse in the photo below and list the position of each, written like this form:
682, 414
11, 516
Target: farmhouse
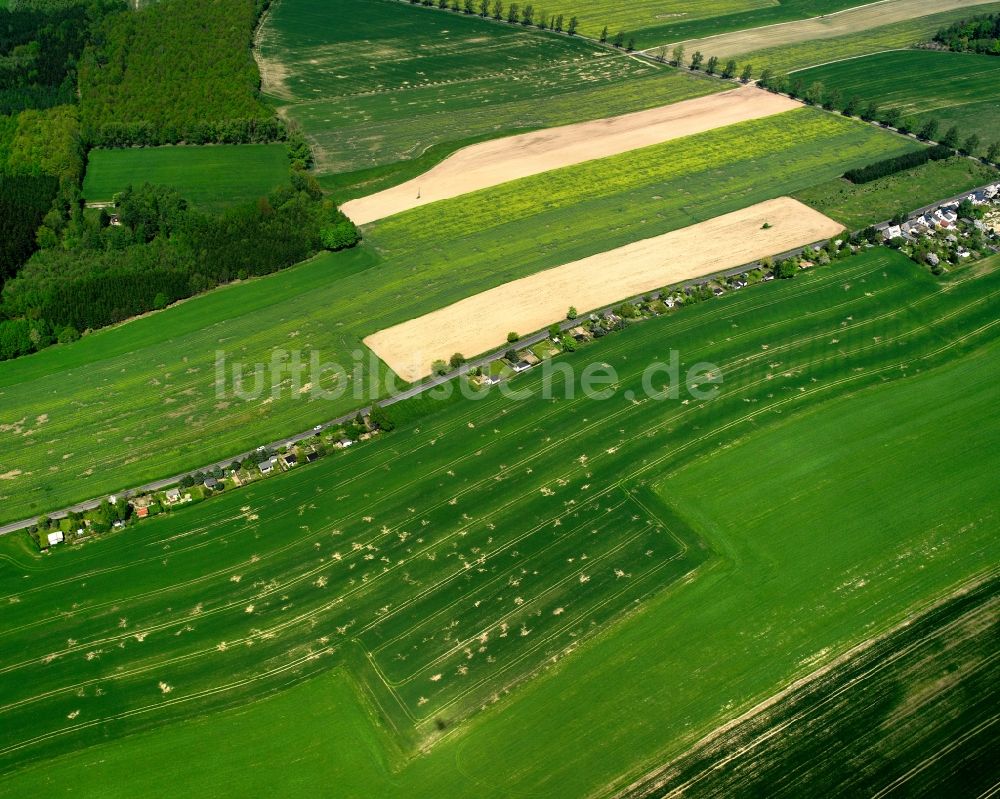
173, 495
55, 538
289, 459
141, 505
266, 467
344, 443
212, 484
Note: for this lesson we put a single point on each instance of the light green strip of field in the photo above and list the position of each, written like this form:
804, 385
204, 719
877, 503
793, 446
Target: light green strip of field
213, 176
138, 402
858, 205
832, 496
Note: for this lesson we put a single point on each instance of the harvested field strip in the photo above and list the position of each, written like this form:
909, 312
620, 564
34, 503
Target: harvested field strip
347, 556
478, 323
491, 163
841, 23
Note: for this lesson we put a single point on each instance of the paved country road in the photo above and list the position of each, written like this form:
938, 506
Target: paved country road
413, 391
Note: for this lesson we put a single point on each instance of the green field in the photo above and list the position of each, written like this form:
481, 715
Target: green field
822, 497
959, 89
918, 708
401, 79
859, 205
653, 23
895, 36
129, 404
212, 177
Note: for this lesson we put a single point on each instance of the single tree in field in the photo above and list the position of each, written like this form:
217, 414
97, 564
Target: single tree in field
766, 78
661, 54
797, 88
993, 153
619, 39
542, 23
484, 8
971, 145
512, 337
891, 116
929, 130
814, 94
513, 10
554, 331
469, 7
571, 313
747, 73
456, 360
678, 55
442, 3
497, 10
870, 113
439, 367
557, 26
851, 109
573, 24
696, 60
730, 69
631, 45
950, 138
832, 99
713, 62
528, 14
604, 34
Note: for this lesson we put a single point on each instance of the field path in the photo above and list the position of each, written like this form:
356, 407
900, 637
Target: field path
491, 163
477, 323
841, 23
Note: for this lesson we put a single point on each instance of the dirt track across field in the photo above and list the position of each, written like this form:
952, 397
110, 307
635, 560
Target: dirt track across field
491, 163
842, 23
481, 322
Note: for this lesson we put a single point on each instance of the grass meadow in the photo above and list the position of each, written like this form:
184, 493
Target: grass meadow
859, 205
496, 583
895, 36
401, 80
136, 402
961, 89
213, 176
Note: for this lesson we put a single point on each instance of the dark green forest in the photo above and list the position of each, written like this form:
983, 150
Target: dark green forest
96, 273
177, 71
975, 35
41, 43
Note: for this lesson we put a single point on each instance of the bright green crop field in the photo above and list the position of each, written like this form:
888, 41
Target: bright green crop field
960, 89
859, 205
895, 36
211, 177
540, 596
653, 23
401, 80
137, 402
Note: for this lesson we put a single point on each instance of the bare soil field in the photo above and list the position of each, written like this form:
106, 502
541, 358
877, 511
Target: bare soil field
841, 23
480, 322
491, 163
